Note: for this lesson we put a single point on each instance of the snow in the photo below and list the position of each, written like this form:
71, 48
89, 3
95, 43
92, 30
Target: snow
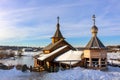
76, 73
14, 74
44, 56
9, 51
31, 53
84, 74
113, 56
70, 57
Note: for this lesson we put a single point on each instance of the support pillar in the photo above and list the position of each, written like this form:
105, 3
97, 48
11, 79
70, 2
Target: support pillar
59, 65
99, 62
90, 62
85, 63
106, 62
70, 64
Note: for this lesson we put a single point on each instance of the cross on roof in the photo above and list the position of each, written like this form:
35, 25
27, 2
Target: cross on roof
93, 17
58, 19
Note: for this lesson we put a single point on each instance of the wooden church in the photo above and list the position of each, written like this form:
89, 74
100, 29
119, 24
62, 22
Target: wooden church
58, 46
60, 53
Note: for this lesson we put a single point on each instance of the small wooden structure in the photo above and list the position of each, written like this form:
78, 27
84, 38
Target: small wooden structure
95, 53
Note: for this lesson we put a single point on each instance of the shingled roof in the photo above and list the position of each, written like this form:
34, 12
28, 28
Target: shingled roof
95, 43
58, 34
51, 45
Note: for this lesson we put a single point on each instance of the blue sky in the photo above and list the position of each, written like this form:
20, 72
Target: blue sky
33, 22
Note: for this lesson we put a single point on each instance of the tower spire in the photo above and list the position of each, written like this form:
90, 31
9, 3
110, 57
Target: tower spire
58, 35
58, 25
93, 17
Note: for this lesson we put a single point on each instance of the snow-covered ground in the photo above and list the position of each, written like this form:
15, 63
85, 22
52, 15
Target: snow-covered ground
74, 74
77, 73
113, 56
31, 53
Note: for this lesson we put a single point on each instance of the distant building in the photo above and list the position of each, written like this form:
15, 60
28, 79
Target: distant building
95, 53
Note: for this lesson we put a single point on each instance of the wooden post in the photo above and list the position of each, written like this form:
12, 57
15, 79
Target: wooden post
90, 62
70, 64
59, 65
99, 62
106, 62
